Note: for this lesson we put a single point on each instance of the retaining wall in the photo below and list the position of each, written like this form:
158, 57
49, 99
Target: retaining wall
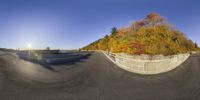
145, 64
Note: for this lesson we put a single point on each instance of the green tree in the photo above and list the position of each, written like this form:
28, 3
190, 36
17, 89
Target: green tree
113, 30
48, 48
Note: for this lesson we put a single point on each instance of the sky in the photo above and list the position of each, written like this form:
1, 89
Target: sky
72, 24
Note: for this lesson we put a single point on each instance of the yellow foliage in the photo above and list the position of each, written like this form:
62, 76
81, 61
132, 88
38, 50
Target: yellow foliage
152, 35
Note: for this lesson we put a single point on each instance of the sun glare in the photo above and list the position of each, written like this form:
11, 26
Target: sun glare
29, 46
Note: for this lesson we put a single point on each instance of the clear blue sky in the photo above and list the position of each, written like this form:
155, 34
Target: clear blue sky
70, 24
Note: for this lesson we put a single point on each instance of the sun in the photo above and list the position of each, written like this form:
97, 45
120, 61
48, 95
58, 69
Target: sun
29, 45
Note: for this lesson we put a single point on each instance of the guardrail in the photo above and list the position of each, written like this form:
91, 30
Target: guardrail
51, 58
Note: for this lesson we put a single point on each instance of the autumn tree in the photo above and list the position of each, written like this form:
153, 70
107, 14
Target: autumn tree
196, 45
151, 35
154, 19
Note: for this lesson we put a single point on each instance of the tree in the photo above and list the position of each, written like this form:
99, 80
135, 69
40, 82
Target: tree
196, 45
113, 30
48, 48
151, 35
154, 19
137, 24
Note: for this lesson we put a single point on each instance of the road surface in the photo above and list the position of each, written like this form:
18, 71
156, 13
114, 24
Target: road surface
95, 78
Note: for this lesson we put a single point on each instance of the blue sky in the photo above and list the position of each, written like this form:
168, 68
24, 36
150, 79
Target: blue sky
70, 24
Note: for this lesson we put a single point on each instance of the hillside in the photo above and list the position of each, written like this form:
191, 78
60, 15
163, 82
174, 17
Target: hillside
151, 35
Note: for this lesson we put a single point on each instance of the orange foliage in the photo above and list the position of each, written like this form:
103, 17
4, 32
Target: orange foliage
151, 35
122, 31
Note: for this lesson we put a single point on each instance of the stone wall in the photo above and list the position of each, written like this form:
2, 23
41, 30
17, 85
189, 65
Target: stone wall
145, 64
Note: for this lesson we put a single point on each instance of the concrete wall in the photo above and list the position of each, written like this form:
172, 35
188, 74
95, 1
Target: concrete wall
145, 64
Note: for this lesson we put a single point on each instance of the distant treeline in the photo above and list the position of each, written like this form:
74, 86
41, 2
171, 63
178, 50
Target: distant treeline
151, 35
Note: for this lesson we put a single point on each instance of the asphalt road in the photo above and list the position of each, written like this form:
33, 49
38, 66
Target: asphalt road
95, 78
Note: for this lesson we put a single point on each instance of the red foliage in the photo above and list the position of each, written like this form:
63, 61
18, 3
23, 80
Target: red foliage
152, 15
138, 47
139, 52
